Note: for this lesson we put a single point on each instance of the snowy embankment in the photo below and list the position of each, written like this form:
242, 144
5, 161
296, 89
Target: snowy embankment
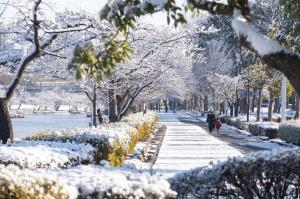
71, 147
47, 165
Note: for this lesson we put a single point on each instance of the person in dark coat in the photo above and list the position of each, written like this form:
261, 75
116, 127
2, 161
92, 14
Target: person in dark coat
211, 118
99, 115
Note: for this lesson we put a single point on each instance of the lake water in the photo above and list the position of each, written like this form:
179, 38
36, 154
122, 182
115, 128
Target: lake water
34, 123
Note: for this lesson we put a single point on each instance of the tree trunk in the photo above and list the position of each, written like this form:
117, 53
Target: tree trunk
297, 107
253, 101
174, 105
248, 103
236, 109
275, 105
243, 105
205, 103
94, 102
258, 105
200, 104
236, 104
231, 109
170, 102
270, 108
112, 110
94, 116
293, 100
20, 105
6, 130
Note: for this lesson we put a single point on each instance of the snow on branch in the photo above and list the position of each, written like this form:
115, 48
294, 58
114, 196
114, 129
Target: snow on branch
81, 27
260, 43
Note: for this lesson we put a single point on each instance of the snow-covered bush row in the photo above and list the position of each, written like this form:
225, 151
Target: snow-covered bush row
39, 154
267, 129
265, 174
99, 139
139, 118
290, 133
23, 183
81, 182
224, 119
111, 140
237, 122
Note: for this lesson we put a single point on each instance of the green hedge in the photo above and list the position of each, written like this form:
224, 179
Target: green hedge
263, 129
290, 133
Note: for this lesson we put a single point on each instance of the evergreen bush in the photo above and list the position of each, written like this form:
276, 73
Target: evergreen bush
290, 133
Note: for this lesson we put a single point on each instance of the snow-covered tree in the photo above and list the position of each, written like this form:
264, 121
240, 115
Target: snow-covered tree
269, 51
156, 54
36, 34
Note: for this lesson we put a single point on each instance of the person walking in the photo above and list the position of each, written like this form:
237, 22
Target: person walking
165, 102
218, 125
211, 118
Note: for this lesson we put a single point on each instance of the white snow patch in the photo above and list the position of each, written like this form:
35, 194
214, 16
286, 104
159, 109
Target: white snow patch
95, 179
39, 154
262, 44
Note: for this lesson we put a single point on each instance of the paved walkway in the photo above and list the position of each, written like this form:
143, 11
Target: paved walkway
187, 146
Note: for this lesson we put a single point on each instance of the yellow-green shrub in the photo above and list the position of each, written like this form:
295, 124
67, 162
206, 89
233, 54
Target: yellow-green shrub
133, 141
144, 131
118, 154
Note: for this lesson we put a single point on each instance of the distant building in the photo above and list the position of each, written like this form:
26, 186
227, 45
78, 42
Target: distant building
51, 85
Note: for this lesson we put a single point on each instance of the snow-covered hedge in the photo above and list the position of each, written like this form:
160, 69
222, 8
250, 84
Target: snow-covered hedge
112, 141
140, 118
290, 133
224, 119
39, 154
16, 183
81, 182
99, 139
267, 129
265, 174
236, 122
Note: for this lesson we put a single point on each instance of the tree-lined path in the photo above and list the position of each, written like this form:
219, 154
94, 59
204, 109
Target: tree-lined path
187, 146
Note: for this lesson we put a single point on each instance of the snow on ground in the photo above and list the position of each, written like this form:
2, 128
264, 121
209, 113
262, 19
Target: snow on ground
266, 125
38, 154
187, 146
261, 144
246, 139
135, 161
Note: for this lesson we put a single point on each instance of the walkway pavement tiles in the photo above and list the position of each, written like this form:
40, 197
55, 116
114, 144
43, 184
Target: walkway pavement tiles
186, 146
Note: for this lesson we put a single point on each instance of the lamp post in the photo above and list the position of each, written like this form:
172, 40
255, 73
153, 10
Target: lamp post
283, 99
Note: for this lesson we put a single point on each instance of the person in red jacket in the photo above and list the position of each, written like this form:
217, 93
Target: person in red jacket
218, 125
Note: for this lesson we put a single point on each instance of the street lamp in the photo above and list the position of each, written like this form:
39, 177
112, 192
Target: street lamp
283, 99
